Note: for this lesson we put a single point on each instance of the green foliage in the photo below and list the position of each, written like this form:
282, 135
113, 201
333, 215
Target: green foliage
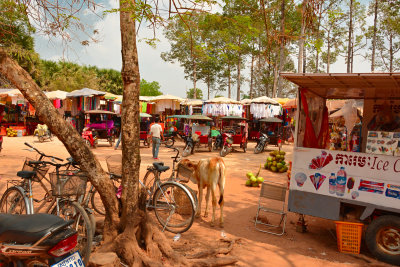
149, 88
190, 94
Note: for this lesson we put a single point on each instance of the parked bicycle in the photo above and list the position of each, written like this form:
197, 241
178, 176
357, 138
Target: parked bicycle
67, 184
174, 204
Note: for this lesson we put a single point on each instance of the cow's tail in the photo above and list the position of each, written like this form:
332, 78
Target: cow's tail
222, 182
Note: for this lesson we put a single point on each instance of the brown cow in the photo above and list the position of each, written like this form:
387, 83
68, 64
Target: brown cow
208, 173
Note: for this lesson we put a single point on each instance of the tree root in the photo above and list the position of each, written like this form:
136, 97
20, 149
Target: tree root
214, 251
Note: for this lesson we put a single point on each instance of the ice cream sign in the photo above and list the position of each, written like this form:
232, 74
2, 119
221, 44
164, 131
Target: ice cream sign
347, 175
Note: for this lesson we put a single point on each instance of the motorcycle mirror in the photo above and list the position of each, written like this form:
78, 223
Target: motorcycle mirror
53, 160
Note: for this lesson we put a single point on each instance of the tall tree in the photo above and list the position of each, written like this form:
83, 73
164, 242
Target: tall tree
149, 88
374, 35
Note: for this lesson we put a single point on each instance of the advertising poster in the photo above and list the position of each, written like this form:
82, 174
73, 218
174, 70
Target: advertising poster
355, 176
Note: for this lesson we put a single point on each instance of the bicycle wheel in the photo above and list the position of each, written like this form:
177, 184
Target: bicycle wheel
148, 181
194, 197
69, 210
97, 204
169, 142
174, 208
13, 201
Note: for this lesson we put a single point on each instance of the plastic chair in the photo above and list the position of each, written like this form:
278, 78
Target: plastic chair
275, 194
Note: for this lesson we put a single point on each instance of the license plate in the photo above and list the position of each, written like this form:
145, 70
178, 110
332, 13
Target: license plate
74, 260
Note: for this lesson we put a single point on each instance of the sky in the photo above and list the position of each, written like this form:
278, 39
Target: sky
106, 53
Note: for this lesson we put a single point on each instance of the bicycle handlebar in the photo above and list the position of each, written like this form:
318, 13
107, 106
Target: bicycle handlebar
41, 153
177, 152
57, 165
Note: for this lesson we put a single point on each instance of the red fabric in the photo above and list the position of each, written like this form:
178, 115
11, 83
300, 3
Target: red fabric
310, 138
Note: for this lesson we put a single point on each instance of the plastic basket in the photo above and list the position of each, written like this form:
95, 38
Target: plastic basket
40, 170
349, 236
68, 183
114, 164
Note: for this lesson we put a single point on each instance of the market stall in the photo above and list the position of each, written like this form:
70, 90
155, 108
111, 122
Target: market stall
19, 114
166, 105
339, 185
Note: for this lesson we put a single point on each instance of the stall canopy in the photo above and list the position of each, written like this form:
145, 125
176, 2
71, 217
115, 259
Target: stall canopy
85, 92
233, 118
246, 101
110, 96
98, 111
291, 103
192, 102
166, 97
145, 98
348, 85
271, 119
56, 95
9, 92
264, 100
222, 100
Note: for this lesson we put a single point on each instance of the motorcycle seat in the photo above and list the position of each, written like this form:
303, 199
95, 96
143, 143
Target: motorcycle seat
28, 229
160, 166
26, 174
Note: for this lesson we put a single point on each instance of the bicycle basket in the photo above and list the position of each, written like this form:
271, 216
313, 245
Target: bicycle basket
40, 170
68, 183
114, 164
184, 172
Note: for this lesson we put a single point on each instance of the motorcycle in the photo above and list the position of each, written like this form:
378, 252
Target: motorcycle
261, 143
218, 142
189, 145
37, 240
90, 137
43, 133
227, 144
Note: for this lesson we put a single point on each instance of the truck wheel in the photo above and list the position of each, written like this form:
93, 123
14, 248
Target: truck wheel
383, 238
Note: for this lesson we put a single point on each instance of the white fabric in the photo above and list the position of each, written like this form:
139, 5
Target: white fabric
265, 110
156, 130
117, 108
223, 110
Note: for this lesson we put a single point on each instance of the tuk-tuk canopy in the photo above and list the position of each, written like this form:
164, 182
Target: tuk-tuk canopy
98, 111
271, 119
233, 118
199, 117
178, 116
145, 115
348, 85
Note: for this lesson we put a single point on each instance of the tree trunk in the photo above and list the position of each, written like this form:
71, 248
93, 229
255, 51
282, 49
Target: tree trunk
349, 48
229, 80
281, 50
302, 37
72, 141
304, 60
317, 54
194, 79
275, 80
374, 36
208, 86
238, 75
391, 52
251, 76
328, 61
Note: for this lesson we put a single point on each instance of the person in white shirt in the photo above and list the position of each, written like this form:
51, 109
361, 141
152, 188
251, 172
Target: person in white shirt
156, 135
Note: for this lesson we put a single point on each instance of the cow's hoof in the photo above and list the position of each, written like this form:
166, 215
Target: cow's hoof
212, 224
205, 215
198, 215
221, 225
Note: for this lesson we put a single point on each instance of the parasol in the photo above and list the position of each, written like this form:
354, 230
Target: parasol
222, 100
264, 100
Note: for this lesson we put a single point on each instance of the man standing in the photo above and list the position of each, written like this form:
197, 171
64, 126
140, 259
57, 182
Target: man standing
156, 135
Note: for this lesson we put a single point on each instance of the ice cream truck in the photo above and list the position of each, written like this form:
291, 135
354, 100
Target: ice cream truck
341, 185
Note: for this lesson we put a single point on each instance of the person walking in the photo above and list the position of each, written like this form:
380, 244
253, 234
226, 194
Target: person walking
156, 134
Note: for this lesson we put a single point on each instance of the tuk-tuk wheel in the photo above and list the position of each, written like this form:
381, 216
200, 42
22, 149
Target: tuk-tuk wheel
209, 147
87, 142
244, 147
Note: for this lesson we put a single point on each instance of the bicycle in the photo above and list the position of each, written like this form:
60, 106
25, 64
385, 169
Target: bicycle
19, 198
172, 202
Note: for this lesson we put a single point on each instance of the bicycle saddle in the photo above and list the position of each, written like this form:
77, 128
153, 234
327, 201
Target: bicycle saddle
26, 174
28, 229
160, 166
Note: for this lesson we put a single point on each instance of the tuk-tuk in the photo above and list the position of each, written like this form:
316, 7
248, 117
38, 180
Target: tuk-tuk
100, 126
199, 134
272, 127
363, 186
144, 129
233, 132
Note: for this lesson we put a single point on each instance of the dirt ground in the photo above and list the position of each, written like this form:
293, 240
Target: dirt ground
317, 247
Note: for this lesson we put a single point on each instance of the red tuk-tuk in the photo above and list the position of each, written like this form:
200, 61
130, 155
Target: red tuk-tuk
200, 134
234, 132
144, 129
100, 126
